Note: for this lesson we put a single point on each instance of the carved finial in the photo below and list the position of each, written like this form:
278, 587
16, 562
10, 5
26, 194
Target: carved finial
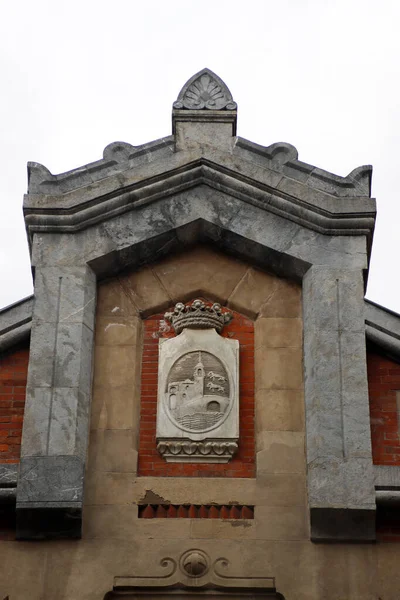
198, 316
203, 91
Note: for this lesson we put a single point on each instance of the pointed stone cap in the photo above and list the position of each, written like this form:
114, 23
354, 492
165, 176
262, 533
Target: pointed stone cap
205, 91
205, 99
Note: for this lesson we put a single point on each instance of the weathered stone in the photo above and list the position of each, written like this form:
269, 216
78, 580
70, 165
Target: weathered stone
113, 406
280, 452
66, 296
8, 475
146, 291
219, 530
65, 437
108, 488
56, 421
279, 410
36, 421
281, 489
135, 208
118, 331
285, 302
199, 272
115, 366
278, 368
113, 302
119, 521
29, 580
278, 332
47, 479
112, 451
336, 398
281, 522
194, 490
252, 291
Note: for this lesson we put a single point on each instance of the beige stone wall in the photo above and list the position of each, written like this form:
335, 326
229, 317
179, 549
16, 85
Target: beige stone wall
279, 491
274, 544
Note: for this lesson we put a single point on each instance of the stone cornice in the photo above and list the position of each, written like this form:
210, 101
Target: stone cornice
15, 323
119, 157
284, 158
276, 193
382, 328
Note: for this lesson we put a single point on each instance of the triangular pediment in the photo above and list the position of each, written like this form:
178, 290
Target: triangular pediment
128, 213
75, 200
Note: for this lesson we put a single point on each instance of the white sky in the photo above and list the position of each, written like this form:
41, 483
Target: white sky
319, 74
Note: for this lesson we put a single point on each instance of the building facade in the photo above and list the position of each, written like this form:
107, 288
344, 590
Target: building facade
198, 400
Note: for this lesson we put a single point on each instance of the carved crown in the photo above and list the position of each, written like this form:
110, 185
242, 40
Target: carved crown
198, 315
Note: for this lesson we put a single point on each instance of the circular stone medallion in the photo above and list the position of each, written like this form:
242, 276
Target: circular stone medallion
194, 563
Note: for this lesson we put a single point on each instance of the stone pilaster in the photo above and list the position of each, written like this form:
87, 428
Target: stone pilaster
340, 474
55, 434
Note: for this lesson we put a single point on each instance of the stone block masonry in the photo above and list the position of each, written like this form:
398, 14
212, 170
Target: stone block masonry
150, 462
140, 206
13, 376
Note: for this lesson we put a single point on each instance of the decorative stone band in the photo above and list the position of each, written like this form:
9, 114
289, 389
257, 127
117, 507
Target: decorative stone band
191, 574
198, 316
195, 511
211, 451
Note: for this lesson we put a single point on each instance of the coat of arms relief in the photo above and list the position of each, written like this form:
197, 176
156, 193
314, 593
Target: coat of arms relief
198, 387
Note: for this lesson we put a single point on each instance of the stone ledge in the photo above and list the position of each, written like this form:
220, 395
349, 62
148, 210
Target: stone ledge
382, 328
387, 477
342, 525
49, 497
34, 523
8, 475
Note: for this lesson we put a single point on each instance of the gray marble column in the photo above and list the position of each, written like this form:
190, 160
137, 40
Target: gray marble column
56, 422
340, 474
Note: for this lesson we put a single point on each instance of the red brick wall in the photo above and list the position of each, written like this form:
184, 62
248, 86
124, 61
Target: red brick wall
383, 382
150, 462
13, 375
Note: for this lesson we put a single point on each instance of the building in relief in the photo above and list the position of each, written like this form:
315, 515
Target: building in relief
193, 398
198, 400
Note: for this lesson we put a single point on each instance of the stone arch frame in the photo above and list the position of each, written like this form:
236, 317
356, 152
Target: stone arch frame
340, 480
202, 184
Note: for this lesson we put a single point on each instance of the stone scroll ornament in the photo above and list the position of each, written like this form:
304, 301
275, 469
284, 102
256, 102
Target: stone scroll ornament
198, 382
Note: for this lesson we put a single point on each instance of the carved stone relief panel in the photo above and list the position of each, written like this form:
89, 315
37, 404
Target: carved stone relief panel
205, 91
198, 404
194, 573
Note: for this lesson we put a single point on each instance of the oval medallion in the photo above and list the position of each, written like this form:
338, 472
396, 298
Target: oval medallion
197, 394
